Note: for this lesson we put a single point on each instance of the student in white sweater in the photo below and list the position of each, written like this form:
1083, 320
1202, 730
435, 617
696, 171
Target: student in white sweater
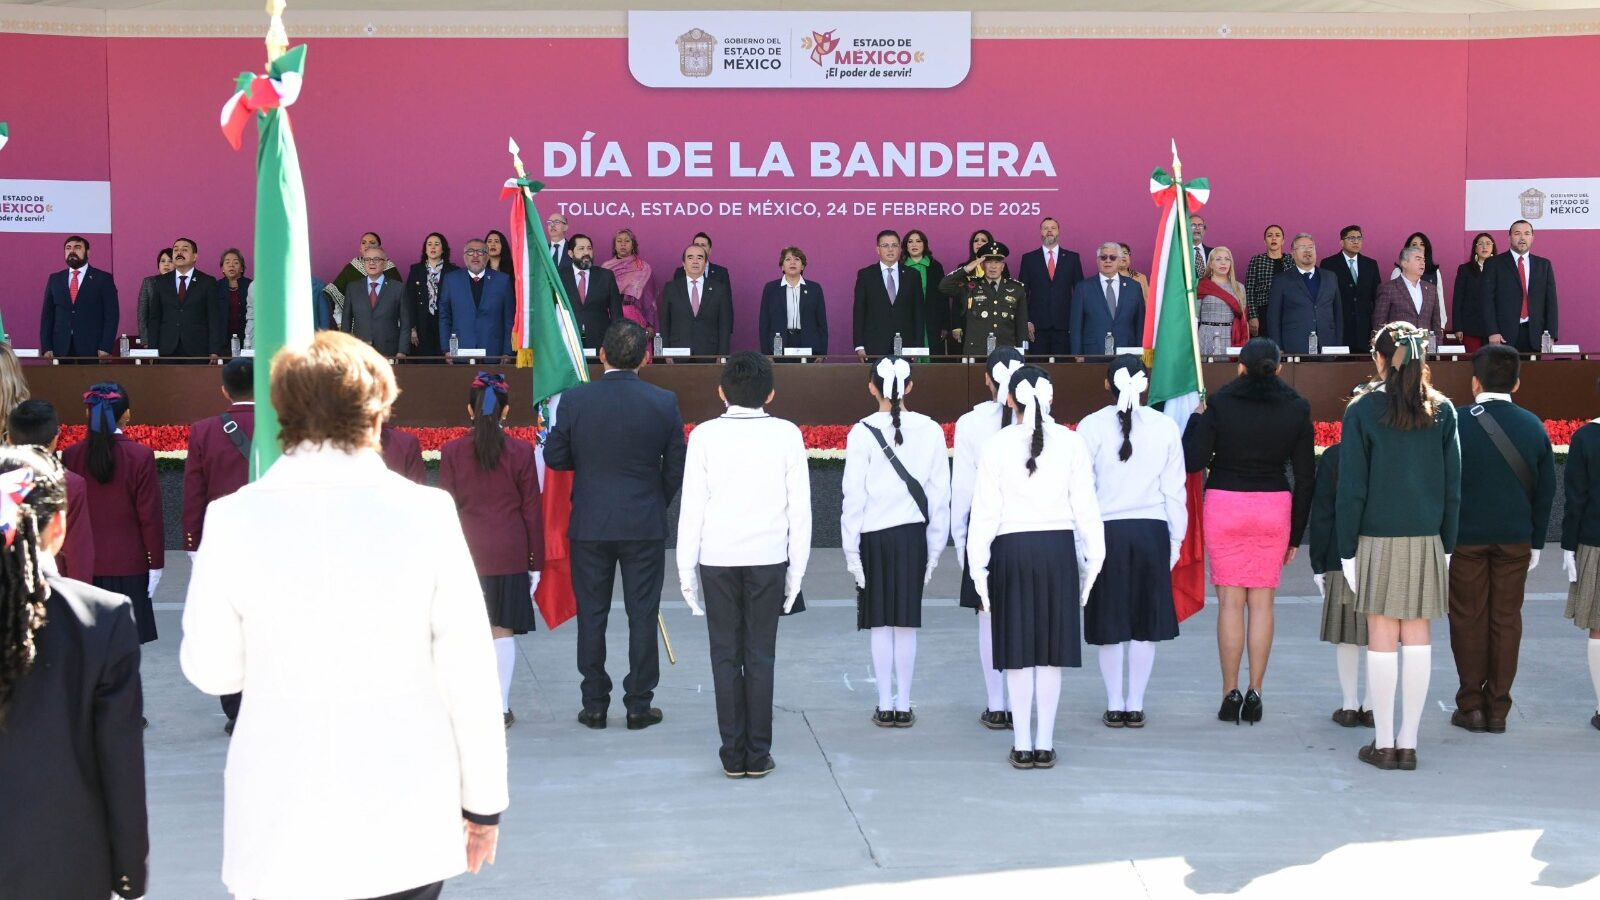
744, 537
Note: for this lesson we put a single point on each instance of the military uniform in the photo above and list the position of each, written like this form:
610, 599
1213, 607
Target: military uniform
984, 307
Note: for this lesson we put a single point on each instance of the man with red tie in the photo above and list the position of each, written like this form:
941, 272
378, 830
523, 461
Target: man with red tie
180, 316
1049, 273
593, 291
80, 312
218, 464
1519, 294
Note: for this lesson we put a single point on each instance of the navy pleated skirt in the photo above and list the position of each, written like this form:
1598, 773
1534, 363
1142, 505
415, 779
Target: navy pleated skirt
508, 601
137, 589
1033, 597
1132, 598
894, 561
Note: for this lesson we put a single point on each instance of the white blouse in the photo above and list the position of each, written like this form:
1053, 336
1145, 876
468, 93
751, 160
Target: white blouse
1151, 484
973, 430
874, 496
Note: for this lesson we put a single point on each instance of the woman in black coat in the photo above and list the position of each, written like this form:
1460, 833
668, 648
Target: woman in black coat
422, 291
1466, 303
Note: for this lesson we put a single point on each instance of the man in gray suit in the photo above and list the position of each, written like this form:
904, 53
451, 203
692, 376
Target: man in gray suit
1304, 299
376, 310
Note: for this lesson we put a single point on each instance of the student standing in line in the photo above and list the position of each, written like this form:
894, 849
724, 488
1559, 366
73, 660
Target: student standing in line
1341, 625
1580, 544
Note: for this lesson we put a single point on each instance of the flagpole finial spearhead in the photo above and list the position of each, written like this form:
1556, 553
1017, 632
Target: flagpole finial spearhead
277, 36
516, 157
1177, 166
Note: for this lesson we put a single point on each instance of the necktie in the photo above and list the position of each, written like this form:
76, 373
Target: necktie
555, 254
1522, 278
1111, 298
889, 285
694, 296
1355, 274
183, 288
72, 288
372, 293
1050, 263
1199, 258
583, 286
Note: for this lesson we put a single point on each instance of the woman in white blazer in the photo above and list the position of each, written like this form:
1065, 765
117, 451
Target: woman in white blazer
370, 739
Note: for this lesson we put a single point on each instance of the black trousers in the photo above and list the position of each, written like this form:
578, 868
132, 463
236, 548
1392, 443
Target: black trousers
230, 704
594, 569
1050, 341
743, 604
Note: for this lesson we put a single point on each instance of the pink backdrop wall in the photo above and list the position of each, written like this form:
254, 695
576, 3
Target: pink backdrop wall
408, 136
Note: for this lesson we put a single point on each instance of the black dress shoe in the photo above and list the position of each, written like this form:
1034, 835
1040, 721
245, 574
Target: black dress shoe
883, 718
228, 728
1251, 711
1044, 759
1021, 759
1008, 720
1112, 718
904, 718
1368, 720
596, 719
1347, 718
509, 718
651, 716
994, 721
1595, 721
143, 722
1133, 719
760, 768
1231, 705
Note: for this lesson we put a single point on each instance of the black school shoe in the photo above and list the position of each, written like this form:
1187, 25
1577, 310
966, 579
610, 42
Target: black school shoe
1113, 718
883, 718
1133, 719
904, 718
1021, 759
994, 721
1044, 759
651, 716
760, 768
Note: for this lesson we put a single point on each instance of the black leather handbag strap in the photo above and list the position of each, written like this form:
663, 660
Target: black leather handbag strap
230, 427
1497, 436
918, 495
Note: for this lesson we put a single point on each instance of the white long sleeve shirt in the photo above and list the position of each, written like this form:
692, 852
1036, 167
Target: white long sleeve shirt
746, 498
1058, 496
874, 496
973, 430
1151, 484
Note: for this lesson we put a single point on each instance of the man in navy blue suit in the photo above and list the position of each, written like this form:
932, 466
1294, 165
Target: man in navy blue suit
477, 304
80, 308
1108, 303
1304, 299
1050, 273
623, 441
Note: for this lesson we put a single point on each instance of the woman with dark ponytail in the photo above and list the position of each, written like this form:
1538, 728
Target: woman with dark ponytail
1399, 494
1247, 434
1035, 526
495, 483
124, 497
894, 523
71, 753
1140, 484
973, 430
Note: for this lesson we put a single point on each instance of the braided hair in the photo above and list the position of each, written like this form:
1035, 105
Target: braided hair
1036, 397
488, 397
106, 402
23, 590
890, 376
1134, 366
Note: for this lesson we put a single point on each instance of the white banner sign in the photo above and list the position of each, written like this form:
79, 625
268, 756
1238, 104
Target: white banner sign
61, 207
1548, 203
727, 49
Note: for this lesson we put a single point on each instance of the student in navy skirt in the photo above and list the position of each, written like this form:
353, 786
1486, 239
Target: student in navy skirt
1035, 525
1140, 485
495, 483
973, 430
893, 529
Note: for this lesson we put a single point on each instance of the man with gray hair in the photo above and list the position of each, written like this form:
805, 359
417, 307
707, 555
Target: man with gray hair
1304, 300
1108, 303
1409, 298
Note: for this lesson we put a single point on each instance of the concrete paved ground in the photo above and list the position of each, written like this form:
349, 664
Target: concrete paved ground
1186, 806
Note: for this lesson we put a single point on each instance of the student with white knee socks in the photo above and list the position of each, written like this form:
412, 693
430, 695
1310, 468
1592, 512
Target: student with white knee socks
1139, 481
1342, 626
973, 430
1035, 527
894, 522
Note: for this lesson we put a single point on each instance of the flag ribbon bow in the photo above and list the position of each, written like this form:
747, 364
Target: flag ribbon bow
1164, 191
15, 486
253, 93
513, 185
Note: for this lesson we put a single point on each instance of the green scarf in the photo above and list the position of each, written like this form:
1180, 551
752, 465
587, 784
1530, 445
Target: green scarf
920, 266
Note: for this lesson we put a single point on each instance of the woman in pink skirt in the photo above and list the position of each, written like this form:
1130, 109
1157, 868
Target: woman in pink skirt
1248, 435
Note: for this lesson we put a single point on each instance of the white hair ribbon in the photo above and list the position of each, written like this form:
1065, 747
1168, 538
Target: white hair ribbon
1001, 375
1035, 396
15, 486
1129, 386
894, 372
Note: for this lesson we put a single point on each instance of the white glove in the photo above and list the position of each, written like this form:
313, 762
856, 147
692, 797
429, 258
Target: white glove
1321, 582
533, 584
1447, 561
983, 595
1177, 551
1348, 568
1569, 562
927, 577
852, 564
155, 579
691, 595
1533, 561
1088, 585
791, 590
961, 559
191, 556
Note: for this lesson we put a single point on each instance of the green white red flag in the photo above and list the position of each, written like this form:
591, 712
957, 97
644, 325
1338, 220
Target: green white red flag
5, 134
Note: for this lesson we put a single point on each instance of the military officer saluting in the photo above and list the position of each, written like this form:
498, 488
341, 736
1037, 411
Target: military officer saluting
987, 303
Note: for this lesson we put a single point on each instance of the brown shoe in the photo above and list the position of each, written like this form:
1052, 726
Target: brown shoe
1470, 719
1372, 756
1346, 718
1368, 720
1405, 759
1497, 726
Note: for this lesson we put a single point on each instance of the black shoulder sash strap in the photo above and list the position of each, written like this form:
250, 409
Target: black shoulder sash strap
230, 427
918, 495
1497, 436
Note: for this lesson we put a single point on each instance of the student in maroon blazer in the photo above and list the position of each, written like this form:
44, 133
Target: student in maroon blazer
402, 453
495, 483
218, 464
36, 422
125, 502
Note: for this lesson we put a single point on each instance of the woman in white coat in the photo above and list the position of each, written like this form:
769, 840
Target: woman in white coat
370, 757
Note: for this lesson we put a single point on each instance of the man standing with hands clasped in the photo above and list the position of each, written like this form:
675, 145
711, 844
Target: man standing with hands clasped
745, 522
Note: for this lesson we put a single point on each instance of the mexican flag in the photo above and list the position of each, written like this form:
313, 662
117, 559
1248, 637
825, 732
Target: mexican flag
1174, 356
283, 311
545, 333
5, 134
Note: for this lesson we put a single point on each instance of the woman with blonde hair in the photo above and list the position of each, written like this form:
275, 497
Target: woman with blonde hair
1221, 310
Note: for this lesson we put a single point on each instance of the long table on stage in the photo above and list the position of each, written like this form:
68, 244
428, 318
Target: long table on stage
810, 393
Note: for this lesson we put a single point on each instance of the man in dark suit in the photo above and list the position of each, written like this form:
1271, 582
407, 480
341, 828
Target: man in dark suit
555, 228
217, 464
592, 290
793, 307
1358, 281
477, 305
80, 308
1109, 303
1304, 299
376, 308
623, 441
713, 271
696, 310
180, 312
1202, 250
888, 302
1049, 274
1519, 294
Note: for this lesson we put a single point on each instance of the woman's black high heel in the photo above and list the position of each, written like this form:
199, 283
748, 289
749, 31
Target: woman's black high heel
1252, 708
1231, 705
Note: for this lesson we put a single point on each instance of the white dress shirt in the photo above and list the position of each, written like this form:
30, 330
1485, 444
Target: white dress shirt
1438, 290
691, 287
1058, 496
1115, 283
792, 295
884, 272
874, 496
1151, 484
1414, 288
746, 497
973, 430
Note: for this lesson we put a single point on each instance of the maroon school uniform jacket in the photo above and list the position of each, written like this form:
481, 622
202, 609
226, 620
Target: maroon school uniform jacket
402, 453
215, 468
76, 559
126, 510
500, 509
